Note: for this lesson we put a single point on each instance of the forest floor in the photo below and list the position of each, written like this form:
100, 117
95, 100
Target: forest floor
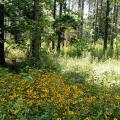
83, 89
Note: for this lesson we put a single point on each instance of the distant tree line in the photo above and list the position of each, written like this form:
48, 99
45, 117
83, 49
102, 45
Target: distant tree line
57, 19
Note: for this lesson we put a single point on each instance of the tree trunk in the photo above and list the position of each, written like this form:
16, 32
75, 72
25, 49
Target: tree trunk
69, 4
63, 34
101, 19
106, 25
115, 17
96, 23
82, 19
54, 16
2, 54
81, 8
65, 8
59, 33
89, 8
36, 41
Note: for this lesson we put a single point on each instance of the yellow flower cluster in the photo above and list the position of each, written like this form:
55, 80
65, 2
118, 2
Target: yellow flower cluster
49, 89
91, 99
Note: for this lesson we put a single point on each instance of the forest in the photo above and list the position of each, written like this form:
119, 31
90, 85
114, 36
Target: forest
59, 59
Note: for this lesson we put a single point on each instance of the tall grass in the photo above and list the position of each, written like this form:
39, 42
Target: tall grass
105, 72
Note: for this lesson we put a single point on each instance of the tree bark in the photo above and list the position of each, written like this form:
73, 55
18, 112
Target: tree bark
36, 40
115, 17
2, 53
101, 19
96, 23
69, 4
81, 8
60, 31
106, 24
82, 19
54, 16
63, 34
65, 8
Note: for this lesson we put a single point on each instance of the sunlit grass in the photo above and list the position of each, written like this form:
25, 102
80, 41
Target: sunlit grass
109, 65
107, 72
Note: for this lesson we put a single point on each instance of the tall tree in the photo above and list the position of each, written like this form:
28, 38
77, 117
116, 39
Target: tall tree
69, 4
2, 54
60, 30
101, 18
106, 24
54, 16
114, 23
96, 22
81, 10
36, 40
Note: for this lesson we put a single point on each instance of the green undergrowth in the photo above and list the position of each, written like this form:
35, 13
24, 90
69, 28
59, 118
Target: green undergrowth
73, 89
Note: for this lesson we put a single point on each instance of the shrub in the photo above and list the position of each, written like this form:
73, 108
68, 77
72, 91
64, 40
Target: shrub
79, 48
46, 62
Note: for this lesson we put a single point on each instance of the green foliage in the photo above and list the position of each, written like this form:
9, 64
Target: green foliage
80, 47
64, 22
46, 62
75, 77
98, 53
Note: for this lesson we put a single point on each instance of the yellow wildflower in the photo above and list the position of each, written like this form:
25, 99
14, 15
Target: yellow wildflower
81, 100
67, 90
91, 99
13, 96
85, 107
3, 99
59, 119
115, 118
31, 92
88, 118
117, 97
70, 112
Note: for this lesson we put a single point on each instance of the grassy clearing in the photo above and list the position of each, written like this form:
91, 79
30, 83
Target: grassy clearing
107, 72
